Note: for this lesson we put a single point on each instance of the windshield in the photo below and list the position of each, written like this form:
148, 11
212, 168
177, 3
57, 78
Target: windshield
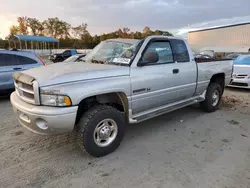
242, 60
113, 52
71, 58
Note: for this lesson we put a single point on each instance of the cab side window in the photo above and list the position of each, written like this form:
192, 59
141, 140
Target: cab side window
164, 51
180, 51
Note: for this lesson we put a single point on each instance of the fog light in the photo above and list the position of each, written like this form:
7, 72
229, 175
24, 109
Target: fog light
23, 116
41, 124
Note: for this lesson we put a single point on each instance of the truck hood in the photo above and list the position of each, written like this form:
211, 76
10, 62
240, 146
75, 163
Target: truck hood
69, 72
242, 69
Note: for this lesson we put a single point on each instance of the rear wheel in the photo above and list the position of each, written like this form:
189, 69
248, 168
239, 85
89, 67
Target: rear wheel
58, 59
101, 130
213, 98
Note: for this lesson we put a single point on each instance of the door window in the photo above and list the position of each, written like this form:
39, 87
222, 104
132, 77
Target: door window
180, 51
8, 60
25, 60
66, 53
164, 51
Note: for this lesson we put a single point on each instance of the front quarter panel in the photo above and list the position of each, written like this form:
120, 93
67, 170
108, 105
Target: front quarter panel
80, 90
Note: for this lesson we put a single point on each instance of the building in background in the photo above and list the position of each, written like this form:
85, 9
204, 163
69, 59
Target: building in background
230, 38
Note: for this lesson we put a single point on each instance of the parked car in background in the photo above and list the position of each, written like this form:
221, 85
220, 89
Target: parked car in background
206, 56
241, 73
59, 57
121, 81
12, 61
75, 58
232, 56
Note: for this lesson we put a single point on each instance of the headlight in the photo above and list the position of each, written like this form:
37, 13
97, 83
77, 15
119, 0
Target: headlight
55, 100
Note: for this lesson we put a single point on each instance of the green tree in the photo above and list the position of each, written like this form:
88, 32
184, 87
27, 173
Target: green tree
14, 30
80, 31
103, 37
77, 37
22, 25
147, 31
96, 39
35, 26
56, 28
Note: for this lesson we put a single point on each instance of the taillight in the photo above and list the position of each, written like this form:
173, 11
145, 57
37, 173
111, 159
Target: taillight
43, 62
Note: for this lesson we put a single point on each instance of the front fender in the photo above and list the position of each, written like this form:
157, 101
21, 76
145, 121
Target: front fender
80, 90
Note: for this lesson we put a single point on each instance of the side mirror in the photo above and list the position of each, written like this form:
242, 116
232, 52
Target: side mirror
149, 58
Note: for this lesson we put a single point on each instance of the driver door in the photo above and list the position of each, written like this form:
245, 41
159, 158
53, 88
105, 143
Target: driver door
155, 85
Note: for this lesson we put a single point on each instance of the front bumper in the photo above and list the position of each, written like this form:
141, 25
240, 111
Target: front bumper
240, 83
44, 120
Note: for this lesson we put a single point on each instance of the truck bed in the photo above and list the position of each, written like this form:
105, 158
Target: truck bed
209, 67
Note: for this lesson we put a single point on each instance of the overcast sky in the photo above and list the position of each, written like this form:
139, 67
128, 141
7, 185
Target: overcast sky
108, 15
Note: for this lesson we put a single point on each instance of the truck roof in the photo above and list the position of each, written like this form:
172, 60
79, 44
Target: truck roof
164, 36
130, 41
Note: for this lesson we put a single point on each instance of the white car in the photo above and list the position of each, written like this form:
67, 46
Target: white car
241, 73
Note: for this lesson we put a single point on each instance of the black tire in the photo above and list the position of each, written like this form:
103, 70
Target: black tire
207, 104
88, 123
59, 59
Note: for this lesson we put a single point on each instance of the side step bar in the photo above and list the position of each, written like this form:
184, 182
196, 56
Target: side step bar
164, 109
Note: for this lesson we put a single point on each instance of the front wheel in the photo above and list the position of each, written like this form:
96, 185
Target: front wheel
101, 130
213, 98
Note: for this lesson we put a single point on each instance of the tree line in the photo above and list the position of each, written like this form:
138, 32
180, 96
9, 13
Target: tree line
73, 36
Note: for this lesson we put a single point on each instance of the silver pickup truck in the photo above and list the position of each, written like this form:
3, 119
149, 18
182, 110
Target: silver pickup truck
120, 81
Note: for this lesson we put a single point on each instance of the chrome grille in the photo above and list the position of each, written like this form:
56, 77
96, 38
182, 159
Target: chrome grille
25, 91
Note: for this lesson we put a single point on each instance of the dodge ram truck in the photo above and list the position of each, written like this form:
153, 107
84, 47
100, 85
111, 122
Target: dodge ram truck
120, 82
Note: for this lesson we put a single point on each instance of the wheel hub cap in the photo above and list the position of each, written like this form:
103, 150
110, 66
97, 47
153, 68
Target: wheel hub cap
215, 98
105, 132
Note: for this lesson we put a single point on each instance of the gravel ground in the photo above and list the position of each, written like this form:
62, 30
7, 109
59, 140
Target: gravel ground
187, 148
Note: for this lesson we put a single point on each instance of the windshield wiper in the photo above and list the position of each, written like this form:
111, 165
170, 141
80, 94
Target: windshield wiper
98, 61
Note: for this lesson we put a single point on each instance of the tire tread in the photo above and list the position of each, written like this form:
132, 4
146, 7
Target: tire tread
85, 124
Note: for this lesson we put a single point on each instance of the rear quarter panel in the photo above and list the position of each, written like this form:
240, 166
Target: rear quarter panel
207, 69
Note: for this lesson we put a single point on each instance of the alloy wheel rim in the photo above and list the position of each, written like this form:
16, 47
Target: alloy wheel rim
105, 132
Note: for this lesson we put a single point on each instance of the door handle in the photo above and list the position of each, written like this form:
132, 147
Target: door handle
17, 68
175, 71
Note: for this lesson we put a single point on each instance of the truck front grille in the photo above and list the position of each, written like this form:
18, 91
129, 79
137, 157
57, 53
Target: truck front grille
25, 91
